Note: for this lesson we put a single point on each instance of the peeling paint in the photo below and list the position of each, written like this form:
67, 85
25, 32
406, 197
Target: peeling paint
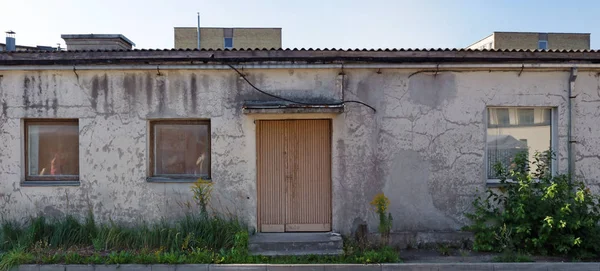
424, 147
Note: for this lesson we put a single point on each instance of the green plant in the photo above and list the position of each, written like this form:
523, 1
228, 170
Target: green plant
122, 257
443, 249
512, 257
381, 204
201, 190
14, 258
536, 212
384, 255
73, 258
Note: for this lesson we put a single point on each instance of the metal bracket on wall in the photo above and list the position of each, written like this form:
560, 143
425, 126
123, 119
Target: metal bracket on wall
522, 68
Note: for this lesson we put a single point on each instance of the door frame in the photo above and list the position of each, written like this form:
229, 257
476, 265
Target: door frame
291, 117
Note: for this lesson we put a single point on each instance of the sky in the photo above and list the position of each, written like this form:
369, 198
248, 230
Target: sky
304, 23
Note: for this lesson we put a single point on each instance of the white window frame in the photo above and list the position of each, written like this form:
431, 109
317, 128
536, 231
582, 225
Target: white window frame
553, 141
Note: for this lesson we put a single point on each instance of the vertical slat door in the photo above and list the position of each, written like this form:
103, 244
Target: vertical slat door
294, 175
308, 201
271, 174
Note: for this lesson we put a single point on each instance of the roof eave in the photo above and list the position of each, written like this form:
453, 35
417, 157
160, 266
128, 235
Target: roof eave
117, 57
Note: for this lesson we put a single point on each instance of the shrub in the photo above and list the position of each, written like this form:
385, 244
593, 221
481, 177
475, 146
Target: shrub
537, 213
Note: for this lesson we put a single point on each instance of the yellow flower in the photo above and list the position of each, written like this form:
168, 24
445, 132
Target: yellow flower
381, 203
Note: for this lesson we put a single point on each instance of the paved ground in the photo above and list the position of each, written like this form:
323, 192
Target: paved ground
319, 267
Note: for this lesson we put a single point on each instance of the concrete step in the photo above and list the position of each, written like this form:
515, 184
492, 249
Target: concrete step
277, 244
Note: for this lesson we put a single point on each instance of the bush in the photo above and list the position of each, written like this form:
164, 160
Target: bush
537, 213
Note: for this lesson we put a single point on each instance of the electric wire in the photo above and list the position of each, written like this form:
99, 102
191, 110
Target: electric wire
293, 101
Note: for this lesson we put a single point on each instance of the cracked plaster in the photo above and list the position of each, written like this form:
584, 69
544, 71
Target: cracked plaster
424, 147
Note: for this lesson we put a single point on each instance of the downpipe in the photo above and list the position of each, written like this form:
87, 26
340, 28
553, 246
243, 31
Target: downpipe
571, 142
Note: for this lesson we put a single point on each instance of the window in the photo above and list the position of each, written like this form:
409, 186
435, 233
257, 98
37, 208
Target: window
51, 150
526, 116
543, 44
228, 43
514, 130
180, 149
499, 116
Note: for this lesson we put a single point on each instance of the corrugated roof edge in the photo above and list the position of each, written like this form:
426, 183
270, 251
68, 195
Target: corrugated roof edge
313, 49
302, 55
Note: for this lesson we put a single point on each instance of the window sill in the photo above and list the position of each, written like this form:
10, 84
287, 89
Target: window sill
496, 182
175, 179
50, 183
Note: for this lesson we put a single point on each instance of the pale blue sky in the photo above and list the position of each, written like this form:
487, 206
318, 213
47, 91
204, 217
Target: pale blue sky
305, 23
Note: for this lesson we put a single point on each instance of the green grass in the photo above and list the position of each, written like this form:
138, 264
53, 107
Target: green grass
191, 239
195, 256
512, 258
189, 231
13, 258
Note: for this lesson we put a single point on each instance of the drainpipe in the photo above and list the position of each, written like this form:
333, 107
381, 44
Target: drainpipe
571, 159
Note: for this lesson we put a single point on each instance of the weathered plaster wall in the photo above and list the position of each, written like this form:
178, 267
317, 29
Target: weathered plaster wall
424, 147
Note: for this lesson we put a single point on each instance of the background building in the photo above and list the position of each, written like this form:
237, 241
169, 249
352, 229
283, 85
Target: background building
533, 41
11, 45
227, 38
97, 42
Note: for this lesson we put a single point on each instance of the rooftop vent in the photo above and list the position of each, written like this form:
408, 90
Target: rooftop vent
97, 42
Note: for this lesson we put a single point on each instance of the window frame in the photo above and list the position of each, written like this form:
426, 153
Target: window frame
152, 177
48, 180
553, 140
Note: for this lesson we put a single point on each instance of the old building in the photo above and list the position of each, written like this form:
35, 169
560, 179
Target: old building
228, 38
534, 41
123, 133
11, 45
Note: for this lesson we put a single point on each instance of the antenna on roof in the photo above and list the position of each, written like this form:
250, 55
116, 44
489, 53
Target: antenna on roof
198, 30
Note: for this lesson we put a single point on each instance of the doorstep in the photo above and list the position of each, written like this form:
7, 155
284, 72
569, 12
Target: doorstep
296, 243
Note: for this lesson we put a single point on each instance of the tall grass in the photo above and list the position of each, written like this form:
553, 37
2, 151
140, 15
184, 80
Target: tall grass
211, 233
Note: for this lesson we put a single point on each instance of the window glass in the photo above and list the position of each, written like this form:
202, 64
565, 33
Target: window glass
498, 116
529, 133
52, 150
543, 45
182, 149
525, 116
228, 43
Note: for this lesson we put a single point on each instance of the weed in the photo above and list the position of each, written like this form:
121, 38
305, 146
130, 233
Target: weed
14, 258
201, 190
512, 257
381, 204
443, 249
181, 235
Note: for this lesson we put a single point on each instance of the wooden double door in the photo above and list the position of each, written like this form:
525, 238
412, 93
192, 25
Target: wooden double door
294, 175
